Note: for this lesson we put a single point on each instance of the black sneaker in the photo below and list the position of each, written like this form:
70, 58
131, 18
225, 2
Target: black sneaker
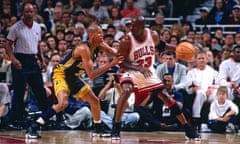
99, 131
116, 131
32, 133
32, 129
191, 134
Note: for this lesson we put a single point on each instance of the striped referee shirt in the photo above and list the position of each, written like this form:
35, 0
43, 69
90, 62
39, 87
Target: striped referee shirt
25, 38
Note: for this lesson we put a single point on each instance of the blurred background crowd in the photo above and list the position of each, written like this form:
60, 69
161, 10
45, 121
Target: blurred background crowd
211, 25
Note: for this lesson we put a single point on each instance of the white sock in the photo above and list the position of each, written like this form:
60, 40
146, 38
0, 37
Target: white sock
41, 120
97, 122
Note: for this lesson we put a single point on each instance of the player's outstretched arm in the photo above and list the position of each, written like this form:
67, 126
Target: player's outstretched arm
82, 51
106, 48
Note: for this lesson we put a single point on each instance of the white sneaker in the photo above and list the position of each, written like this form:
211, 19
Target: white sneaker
204, 128
231, 128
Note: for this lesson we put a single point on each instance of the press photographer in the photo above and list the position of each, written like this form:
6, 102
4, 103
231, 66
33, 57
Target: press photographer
111, 92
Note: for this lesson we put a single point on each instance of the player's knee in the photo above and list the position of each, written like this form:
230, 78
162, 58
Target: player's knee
62, 104
95, 101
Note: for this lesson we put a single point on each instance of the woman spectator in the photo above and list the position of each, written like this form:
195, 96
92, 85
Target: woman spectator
166, 35
115, 16
218, 14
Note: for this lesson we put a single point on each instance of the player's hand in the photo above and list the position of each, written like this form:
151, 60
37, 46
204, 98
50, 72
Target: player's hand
146, 72
117, 60
16, 64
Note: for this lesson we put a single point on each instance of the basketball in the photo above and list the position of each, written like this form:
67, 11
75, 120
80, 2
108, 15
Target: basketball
185, 51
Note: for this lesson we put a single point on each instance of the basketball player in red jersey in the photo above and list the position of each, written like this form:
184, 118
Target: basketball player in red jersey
138, 48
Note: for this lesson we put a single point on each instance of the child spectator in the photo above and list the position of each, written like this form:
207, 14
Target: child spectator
222, 112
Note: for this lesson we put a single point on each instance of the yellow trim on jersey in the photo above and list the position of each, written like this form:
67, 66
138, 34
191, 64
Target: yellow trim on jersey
82, 92
59, 80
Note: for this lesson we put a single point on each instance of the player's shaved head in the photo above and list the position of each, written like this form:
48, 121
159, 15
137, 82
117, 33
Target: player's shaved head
138, 20
93, 28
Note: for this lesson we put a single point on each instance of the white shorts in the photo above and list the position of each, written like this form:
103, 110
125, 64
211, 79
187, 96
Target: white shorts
145, 85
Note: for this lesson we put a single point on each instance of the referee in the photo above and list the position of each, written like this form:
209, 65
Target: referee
23, 39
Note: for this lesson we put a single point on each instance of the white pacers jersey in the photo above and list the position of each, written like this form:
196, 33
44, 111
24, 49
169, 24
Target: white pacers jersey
144, 54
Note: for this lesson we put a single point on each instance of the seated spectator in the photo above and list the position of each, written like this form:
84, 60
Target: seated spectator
164, 6
237, 38
229, 41
190, 35
218, 14
5, 67
234, 19
201, 83
117, 34
219, 35
229, 4
206, 38
178, 31
99, 11
187, 26
60, 35
222, 112
229, 72
216, 47
144, 6
47, 76
5, 100
115, 45
203, 20
165, 34
174, 40
210, 58
130, 9
99, 82
177, 70
116, 17
158, 23
111, 93
77, 39
159, 115
81, 31
166, 117
62, 48
160, 57
77, 115
108, 38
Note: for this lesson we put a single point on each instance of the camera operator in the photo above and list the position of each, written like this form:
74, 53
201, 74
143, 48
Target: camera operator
111, 92
99, 82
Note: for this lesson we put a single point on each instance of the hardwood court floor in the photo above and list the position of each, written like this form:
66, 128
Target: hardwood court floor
83, 137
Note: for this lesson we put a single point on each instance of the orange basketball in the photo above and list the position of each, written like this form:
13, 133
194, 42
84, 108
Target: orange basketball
185, 51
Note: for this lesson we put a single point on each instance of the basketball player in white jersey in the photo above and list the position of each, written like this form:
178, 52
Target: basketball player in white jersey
138, 48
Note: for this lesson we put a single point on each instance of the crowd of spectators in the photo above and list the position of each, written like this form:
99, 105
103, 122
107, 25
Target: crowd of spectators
63, 26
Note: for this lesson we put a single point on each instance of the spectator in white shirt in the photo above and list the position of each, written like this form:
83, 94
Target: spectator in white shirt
201, 83
222, 112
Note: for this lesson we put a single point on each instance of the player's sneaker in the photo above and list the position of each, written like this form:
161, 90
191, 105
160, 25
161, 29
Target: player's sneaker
99, 131
191, 134
116, 131
32, 133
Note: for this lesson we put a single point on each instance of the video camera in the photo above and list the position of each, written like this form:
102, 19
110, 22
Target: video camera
116, 78
115, 75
